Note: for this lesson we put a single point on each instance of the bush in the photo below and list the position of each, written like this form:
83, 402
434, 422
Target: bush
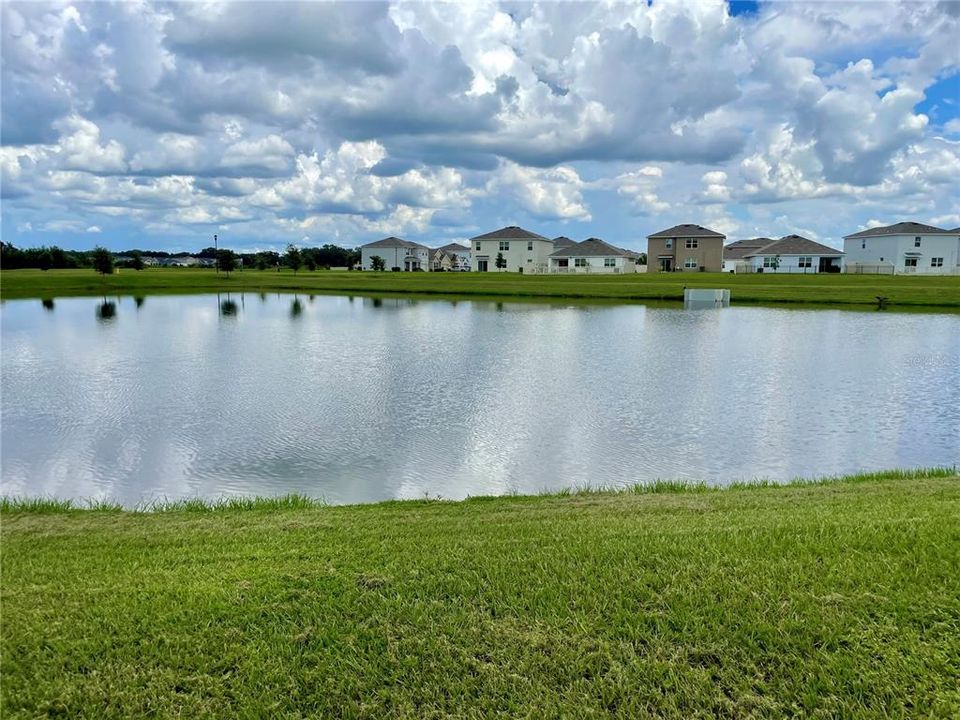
395, 269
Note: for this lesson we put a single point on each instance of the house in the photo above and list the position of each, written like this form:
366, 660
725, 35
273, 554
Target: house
459, 256
440, 261
905, 247
524, 251
789, 254
593, 256
686, 248
396, 253
559, 243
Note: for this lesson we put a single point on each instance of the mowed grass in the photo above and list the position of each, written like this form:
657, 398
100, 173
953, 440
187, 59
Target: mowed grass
771, 288
827, 600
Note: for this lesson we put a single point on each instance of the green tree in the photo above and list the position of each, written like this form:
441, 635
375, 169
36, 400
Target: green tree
136, 260
378, 263
310, 262
500, 262
226, 261
293, 258
261, 262
45, 259
775, 263
102, 260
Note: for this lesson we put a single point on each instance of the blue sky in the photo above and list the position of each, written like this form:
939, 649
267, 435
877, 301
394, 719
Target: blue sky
158, 125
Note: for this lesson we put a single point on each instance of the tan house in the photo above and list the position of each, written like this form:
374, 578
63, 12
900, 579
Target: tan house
685, 248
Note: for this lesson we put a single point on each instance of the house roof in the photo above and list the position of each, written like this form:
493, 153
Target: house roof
687, 231
511, 232
956, 230
393, 242
900, 228
455, 248
744, 248
796, 245
592, 247
562, 242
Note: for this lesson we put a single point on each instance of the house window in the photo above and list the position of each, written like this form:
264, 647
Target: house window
863, 244
478, 246
609, 262
529, 259
936, 262
916, 242
579, 262
529, 245
669, 243
768, 262
805, 262
692, 244
504, 245
909, 262
690, 263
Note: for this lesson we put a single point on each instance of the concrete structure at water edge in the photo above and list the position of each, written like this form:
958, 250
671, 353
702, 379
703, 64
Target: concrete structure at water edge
685, 248
703, 298
903, 248
524, 251
593, 256
396, 253
789, 254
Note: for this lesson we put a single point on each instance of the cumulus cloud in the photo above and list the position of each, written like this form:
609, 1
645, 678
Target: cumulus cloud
553, 194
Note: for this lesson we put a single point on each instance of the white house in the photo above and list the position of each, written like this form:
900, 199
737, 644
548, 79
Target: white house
789, 254
906, 247
396, 253
593, 256
524, 251
459, 254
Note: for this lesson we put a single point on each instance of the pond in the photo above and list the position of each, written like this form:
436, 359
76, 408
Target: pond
356, 399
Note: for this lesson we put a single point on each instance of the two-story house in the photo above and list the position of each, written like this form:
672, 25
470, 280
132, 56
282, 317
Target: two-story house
905, 247
396, 253
685, 248
523, 251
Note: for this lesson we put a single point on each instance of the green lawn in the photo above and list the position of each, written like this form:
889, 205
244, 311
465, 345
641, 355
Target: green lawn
770, 288
830, 600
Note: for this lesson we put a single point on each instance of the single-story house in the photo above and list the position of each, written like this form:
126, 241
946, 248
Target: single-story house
686, 248
789, 254
396, 253
903, 248
593, 256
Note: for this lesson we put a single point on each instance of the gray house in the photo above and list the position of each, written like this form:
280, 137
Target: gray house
396, 253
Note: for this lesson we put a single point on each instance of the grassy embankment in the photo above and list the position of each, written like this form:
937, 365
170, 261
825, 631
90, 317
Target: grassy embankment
830, 600
768, 288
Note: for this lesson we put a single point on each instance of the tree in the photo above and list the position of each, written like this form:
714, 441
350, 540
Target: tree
642, 259
261, 262
310, 262
378, 263
500, 262
293, 258
102, 260
136, 260
226, 261
775, 263
45, 259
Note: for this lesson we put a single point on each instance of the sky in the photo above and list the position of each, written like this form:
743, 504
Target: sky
156, 125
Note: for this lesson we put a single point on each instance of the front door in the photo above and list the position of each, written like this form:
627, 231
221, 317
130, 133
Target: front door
666, 264
481, 265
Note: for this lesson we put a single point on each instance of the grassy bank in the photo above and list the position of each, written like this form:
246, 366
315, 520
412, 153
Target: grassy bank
900, 291
841, 599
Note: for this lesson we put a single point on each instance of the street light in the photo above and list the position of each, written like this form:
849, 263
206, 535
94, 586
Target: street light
216, 255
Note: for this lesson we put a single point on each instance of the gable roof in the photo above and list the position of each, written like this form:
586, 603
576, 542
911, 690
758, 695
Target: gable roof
455, 248
687, 231
562, 242
511, 232
744, 248
592, 247
394, 242
956, 230
900, 228
795, 245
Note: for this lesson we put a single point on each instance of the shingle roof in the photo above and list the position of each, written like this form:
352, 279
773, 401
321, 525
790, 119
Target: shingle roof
511, 232
562, 242
900, 228
796, 245
394, 242
454, 248
956, 230
744, 248
592, 247
687, 231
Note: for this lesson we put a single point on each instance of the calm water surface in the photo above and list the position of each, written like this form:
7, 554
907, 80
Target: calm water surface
356, 399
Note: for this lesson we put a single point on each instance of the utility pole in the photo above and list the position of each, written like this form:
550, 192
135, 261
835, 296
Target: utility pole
216, 255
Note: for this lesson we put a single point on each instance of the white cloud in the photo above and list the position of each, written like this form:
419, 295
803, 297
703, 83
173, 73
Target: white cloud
553, 194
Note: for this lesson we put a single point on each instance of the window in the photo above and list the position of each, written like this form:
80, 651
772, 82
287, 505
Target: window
768, 262
669, 243
863, 244
805, 262
690, 263
692, 243
529, 245
529, 259
609, 262
936, 262
504, 244
478, 246
916, 242
579, 262
909, 262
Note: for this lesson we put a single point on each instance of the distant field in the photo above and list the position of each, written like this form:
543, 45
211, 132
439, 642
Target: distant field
770, 288
839, 600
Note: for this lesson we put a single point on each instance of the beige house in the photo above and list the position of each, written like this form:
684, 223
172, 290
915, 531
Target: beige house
685, 248
522, 250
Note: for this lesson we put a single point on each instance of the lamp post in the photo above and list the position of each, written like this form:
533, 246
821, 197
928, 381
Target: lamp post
216, 255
